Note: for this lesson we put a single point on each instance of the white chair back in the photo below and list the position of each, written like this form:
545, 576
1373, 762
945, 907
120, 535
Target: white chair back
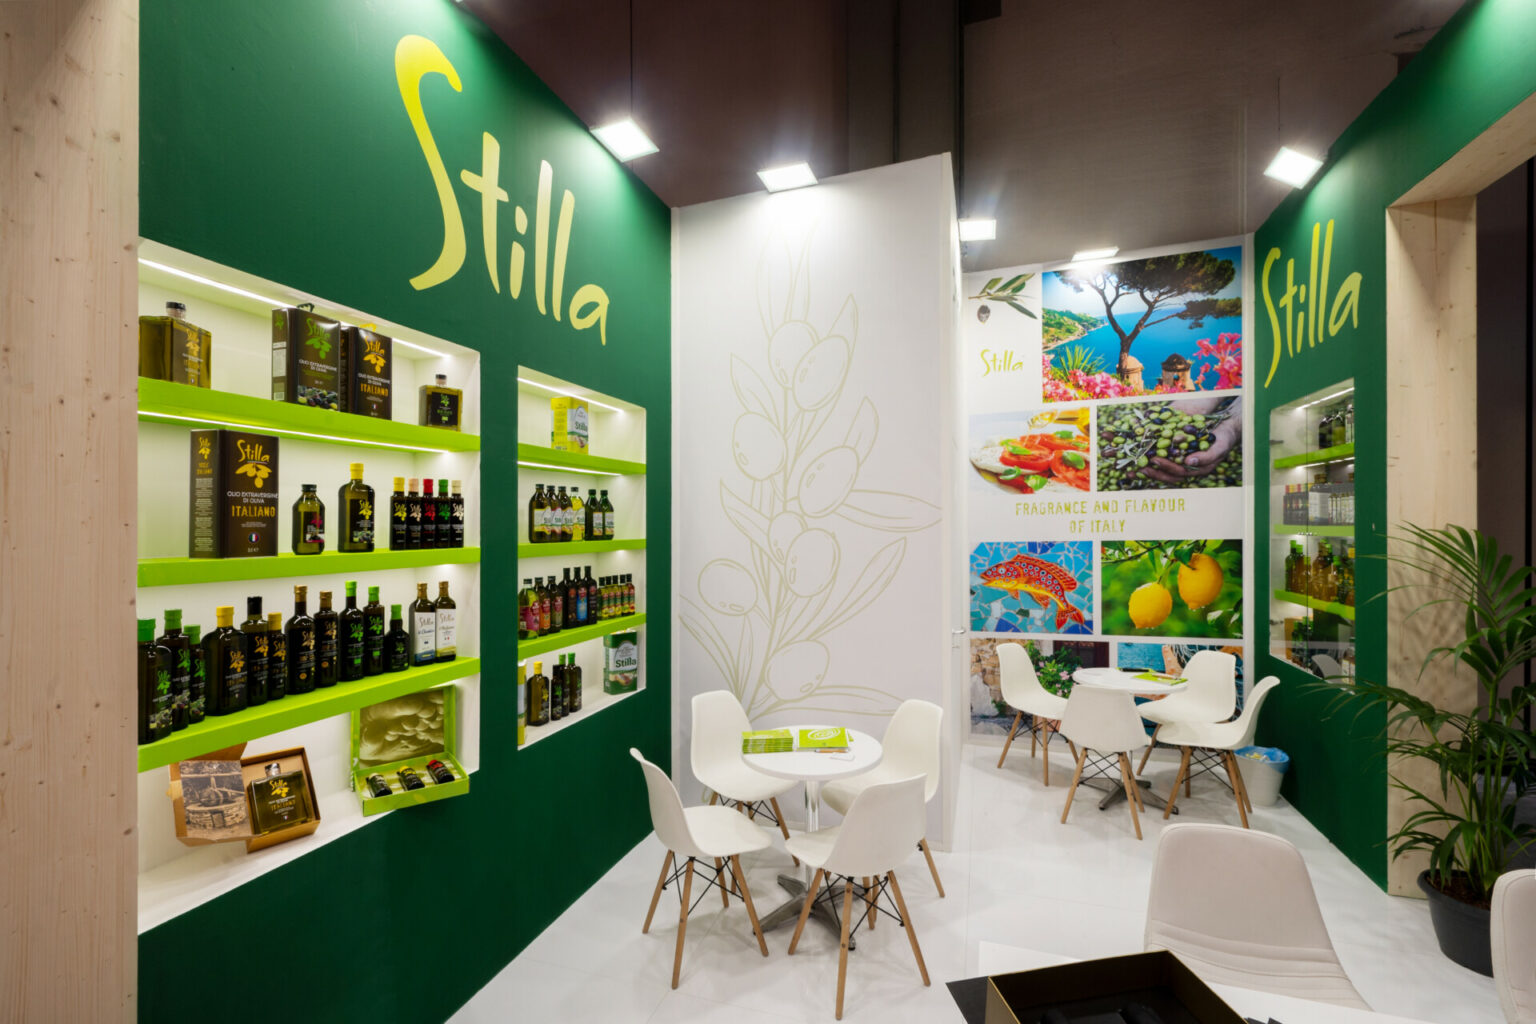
667, 816
718, 722
880, 830
1249, 719
1329, 667
1018, 679
1212, 685
1102, 719
1238, 907
911, 744
1514, 945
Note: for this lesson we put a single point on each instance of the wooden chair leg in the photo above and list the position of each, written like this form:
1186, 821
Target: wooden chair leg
1070, 745
922, 844
1229, 761
1188, 778
660, 881
869, 903
906, 920
842, 953
784, 828
725, 896
1131, 799
805, 911
713, 796
1182, 776
1143, 766
682, 923
746, 897
1017, 718
1076, 777
1045, 751
1034, 733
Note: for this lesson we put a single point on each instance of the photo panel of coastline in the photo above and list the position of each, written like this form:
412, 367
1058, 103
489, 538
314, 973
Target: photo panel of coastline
1172, 588
1054, 661
1171, 657
1161, 325
1032, 587
1037, 451
1170, 444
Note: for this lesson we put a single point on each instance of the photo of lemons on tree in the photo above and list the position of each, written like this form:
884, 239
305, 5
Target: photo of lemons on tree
1172, 587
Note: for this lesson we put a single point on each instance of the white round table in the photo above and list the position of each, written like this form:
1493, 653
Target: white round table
812, 767
1127, 682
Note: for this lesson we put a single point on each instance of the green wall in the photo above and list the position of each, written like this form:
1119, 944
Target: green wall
275, 140
1477, 68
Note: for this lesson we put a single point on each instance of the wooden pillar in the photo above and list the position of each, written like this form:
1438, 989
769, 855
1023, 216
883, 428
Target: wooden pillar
68, 357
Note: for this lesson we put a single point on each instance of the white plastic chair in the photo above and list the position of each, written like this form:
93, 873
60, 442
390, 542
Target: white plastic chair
715, 753
1208, 695
1022, 692
1239, 909
716, 834
1215, 742
1514, 945
879, 831
911, 747
1104, 723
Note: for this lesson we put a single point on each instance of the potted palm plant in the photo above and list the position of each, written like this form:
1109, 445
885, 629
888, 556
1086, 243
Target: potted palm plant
1481, 757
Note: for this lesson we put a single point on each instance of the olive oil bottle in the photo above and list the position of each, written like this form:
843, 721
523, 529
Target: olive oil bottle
197, 706
456, 517
413, 516
541, 597
444, 515
354, 641
373, 627
399, 517
172, 349
154, 662
428, 515
446, 614
557, 691
538, 527
556, 606
308, 536
301, 644
176, 642
277, 657
423, 628
397, 643
608, 517
538, 696
527, 611
327, 643
573, 682
356, 501
440, 404
224, 650
258, 652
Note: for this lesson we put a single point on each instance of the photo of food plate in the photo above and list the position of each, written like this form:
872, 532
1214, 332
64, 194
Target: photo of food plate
1031, 452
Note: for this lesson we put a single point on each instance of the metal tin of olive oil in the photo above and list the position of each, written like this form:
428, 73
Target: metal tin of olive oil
367, 373
233, 498
306, 358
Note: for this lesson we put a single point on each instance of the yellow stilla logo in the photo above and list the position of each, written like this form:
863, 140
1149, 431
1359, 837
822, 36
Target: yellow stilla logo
279, 787
375, 354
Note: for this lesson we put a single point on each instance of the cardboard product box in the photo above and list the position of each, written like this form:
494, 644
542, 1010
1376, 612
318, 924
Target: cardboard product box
233, 498
172, 349
407, 732
306, 358
1095, 990
621, 662
211, 797
367, 373
570, 432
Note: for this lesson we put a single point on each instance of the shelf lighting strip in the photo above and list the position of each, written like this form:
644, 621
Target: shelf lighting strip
568, 394
292, 433
568, 469
233, 290
1325, 462
1318, 401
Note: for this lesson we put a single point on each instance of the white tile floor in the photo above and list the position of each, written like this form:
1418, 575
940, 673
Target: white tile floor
1016, 876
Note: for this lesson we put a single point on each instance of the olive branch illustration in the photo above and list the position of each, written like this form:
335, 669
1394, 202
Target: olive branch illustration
762, 618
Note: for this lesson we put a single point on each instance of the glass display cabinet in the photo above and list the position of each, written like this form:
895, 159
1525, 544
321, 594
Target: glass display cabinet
1312, 531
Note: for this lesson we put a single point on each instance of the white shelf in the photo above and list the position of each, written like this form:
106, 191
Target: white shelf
593, 701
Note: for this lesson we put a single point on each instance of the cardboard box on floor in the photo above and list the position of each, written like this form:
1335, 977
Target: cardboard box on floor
1096, 990
232, 824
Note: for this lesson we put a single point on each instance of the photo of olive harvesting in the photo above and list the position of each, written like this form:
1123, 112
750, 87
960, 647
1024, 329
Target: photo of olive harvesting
1168, 445
1172, 588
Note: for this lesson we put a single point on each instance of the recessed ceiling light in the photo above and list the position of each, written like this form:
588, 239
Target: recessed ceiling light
778, 179
978, 229
1094, 255
625, 140
1293, 168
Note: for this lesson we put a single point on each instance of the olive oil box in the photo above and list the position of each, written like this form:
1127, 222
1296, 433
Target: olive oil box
211, 803
407, 732
306, 358
570, 424
233, 497
367, 371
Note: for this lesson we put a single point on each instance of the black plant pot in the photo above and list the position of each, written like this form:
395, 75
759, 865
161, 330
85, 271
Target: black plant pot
1462, 930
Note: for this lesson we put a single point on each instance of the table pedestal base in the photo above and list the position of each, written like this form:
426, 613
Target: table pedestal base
821, 913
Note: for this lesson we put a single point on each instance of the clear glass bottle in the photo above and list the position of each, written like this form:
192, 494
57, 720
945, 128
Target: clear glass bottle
423, 625
279, 800
308, 536
446, 612
356, 501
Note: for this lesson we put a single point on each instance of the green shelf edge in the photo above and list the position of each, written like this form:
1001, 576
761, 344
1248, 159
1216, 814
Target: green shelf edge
571, 637
204, 405
577, 547
1292, 529
578, 463
169, 572
291, 712
1331, 607
1337, 453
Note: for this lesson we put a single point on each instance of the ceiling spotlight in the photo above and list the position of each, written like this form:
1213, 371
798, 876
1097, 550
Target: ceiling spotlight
778, 179
625, 140
978, 229
1095, 255
1291, 167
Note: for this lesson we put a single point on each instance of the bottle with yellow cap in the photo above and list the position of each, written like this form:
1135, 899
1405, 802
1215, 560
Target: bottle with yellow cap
356, 501
399, 517
225, 651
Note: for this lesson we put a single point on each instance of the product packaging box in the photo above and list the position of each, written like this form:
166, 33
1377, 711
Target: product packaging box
1099, 990
172, 349
407, 733
212, 802
367, 372
621, 662
233, 497
571, 419
306, 358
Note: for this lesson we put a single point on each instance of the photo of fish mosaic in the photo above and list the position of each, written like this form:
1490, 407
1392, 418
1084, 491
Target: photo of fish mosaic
1032, 587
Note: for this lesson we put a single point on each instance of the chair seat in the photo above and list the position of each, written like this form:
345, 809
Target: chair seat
1211, 735
1171, 710
1314, 975
1043, 705
723, 831
739, 781
813, 847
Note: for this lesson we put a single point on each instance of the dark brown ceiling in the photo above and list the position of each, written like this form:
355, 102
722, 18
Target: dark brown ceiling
1117, 122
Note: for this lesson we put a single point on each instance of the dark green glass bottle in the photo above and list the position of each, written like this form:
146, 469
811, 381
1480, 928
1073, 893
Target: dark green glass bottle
224, 650
373, 629
397, 644
353, 636
258, 647
277, 657
181, 667
197, 706
301, 644
327, 643
154, 685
